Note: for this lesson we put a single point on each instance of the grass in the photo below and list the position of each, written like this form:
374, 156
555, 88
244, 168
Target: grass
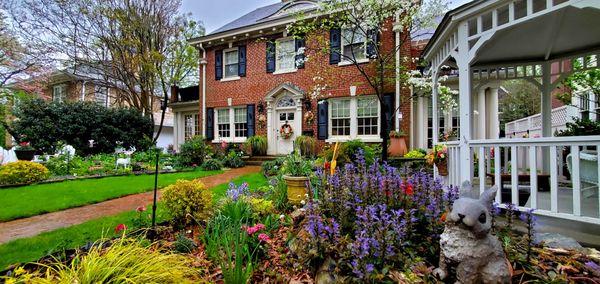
33, 248
31, 200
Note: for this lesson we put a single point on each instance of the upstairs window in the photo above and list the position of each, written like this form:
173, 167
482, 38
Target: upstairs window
231, 60
59, 93
354, 44
285, 54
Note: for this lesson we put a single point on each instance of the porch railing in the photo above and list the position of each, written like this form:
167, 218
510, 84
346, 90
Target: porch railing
532, 125
537, 182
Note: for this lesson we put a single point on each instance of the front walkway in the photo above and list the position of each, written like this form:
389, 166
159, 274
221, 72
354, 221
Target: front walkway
35, 225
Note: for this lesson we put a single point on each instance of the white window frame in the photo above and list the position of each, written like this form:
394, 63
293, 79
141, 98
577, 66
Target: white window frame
278, 69
59, 93
232, 137
99, 90
231, 77
354, 122
195, 129
344, 43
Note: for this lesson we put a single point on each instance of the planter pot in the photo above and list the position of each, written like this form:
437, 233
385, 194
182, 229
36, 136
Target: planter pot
25, 155
442, 168
397, 146
296, 188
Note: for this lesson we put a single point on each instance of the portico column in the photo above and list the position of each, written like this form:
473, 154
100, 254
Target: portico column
464, 88
546, 113
494, 120
481, 117
434, 114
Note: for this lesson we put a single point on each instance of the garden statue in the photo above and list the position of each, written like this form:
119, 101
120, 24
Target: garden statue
467, 245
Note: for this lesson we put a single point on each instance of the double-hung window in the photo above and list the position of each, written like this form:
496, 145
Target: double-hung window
230, 66
354, 44
354, 118
240, 122
367, 116
59, 93
340, 117
223, 123
285, 54
101, 95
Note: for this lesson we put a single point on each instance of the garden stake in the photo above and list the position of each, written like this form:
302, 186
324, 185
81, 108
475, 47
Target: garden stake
155, 190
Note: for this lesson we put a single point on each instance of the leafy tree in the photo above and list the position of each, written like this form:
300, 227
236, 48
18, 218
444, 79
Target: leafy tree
135, 46
581, 83
46, 125
580, 127
523, 99
367, 20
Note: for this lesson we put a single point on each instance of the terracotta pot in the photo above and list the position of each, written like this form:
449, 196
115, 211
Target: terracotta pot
25, 155
296, 188
442, 168
397, 146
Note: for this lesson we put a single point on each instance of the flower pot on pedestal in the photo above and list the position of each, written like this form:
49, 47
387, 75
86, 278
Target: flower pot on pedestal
296, 188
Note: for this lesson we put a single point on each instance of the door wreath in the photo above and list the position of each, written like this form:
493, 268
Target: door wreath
286, 131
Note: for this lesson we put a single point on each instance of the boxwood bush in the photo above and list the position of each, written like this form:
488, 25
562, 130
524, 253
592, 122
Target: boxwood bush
22, 172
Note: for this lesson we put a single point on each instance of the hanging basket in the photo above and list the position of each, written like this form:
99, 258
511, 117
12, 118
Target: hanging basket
442, 168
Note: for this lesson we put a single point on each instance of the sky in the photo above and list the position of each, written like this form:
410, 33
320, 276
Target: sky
217, 13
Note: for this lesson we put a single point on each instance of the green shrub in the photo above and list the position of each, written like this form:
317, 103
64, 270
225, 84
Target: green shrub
187, 201
261, 207
580, 127
348, 150
211, 165
258, 144
271, 168
183, 244
296, 166
307, 145
22, 172
416, 154
124, 261
193, 152
81, 122
233, 160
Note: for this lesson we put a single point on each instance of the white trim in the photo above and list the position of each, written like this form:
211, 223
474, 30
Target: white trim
277, 51
284, 71
233, 77
353, 121
232, 138
62, 91
348, 62
344, 42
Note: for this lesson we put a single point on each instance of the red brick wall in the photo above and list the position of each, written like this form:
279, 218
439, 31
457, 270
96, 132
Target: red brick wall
257, 83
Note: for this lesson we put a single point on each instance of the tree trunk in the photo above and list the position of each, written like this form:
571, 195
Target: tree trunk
384, 133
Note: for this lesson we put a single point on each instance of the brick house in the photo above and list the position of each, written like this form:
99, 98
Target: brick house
66, 85
251, 83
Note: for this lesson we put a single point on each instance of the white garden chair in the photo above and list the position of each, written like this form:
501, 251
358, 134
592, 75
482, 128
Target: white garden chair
588, 171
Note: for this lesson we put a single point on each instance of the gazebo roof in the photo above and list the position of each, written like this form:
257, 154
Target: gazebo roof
518, 31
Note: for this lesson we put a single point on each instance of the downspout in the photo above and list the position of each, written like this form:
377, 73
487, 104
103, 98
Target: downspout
83, 91
203, 62
398, 112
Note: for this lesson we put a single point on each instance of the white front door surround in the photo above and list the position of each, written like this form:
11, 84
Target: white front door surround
284, 105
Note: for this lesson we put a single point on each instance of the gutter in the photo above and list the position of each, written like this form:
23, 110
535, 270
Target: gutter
203, 63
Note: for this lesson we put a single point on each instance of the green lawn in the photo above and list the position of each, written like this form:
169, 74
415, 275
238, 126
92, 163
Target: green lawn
26, 201
31, 249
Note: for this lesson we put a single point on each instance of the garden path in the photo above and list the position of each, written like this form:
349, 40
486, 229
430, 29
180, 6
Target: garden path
28, 227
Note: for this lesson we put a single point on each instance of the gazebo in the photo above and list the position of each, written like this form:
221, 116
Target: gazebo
543, 42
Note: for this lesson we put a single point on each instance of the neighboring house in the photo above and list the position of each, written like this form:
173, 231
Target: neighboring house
252, 84
66, 85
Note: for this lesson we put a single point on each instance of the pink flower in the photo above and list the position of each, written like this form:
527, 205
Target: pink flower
263, 238
140, 208
259, 226
119, 228
251, 230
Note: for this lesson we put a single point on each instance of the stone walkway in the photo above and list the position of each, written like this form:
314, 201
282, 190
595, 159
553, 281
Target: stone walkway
35, 225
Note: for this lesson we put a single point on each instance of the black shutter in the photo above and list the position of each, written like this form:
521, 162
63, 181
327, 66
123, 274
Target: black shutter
242, 61
218, 64
388, 111
335, 44
322, 120
373, 41
299, 58
210, 124
270, 56
250, 119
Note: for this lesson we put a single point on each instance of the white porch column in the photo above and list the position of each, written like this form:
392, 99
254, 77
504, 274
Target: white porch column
464, 88
420, 125
434, 115
492, 111
546, 113
481, 117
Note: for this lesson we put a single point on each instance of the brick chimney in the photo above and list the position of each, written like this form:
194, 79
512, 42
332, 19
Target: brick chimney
174, 94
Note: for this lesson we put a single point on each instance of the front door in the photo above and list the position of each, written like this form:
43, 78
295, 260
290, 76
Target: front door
285, 143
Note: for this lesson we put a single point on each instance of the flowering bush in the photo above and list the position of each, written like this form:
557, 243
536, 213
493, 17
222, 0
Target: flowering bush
187, 200
22, 172
383, 218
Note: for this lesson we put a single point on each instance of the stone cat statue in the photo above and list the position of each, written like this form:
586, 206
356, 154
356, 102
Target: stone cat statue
467, 245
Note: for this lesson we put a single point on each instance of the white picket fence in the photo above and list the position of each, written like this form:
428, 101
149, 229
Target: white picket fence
575, 198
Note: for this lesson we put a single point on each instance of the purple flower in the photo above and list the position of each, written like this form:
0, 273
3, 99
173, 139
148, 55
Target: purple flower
593, 266
234, 192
